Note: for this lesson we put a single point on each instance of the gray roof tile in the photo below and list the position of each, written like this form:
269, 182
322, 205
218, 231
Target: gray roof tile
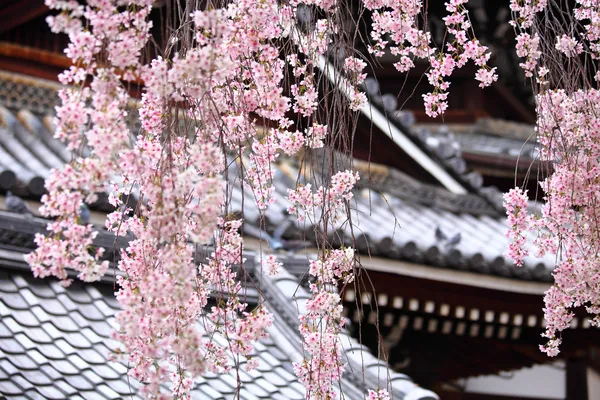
65, 367
247, 393
4, 331
37, 377
66, 388
255, 389
11, 346
53, 307
51, 351
21, 382
51, 372
23, 362
40, 314
15, 301
25, 318
34, 395
7, 387
79, 382
52, 359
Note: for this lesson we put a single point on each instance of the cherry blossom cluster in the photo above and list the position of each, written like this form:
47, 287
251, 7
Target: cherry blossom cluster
93, 117
216, 93
567, 129
568, 223
515, 202
305, 203
381, 394
398, 20
322, 320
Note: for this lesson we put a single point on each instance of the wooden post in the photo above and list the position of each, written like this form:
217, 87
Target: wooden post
577, 380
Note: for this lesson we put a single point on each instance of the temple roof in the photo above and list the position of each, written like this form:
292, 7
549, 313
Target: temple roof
54, 341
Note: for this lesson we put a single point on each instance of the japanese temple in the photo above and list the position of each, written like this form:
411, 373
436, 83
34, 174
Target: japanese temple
447, 313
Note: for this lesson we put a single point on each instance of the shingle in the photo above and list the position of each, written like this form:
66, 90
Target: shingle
210, 392
14, 301
66, 301
8, 367
79, 295
77, 340
266, 385
282, 372
37, 377
65, 347
246, 394
93, 377
65, 367
105, 371
121, 386
7, 387
80, 320
93, 337
275, 379
255, 389
92, 395
34, 395
23, 362
29, 297
6, 284
51, 372
292, 394
91, 356
4, 311
40, 314
4, 331
51, 393
91, 312
53, 307
104, 308
25, 341
11, 346
42, 290
79, 382
78, 362
101, 328
38, 335
278, 354
37, 357
66, 388
108, 392
220, 386
25, 318
23, 383
230, 380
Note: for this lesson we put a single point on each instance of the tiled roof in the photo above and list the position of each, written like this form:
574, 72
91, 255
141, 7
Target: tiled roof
28, 151
400, 223
399, 226
484, 138
54, 342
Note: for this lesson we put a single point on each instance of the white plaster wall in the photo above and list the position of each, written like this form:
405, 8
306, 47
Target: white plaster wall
547, 381
593, 381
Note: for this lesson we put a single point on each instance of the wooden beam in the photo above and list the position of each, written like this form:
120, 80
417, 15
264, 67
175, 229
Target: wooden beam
38, 56
19, 12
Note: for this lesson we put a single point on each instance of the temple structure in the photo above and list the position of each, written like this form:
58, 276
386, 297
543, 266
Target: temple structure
446, 310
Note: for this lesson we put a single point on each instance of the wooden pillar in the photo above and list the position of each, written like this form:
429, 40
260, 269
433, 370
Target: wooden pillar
577, 388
